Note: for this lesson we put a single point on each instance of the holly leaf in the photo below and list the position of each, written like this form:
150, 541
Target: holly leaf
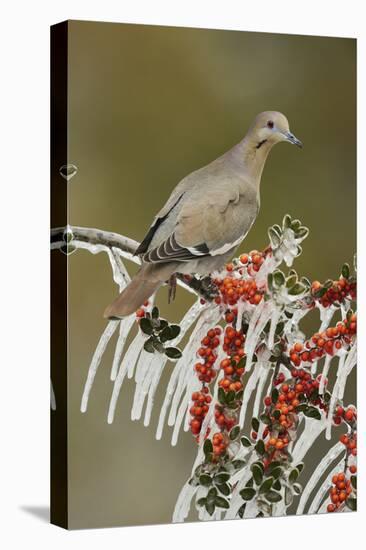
173, 353
273, 496
221, 502
247, 493
149, 345
146, 326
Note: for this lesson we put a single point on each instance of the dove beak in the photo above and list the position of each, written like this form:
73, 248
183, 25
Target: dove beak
292, 139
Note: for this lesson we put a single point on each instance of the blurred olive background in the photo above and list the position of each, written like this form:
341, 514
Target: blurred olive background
147, 105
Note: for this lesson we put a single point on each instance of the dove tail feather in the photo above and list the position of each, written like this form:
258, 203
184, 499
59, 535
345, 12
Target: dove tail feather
143, 285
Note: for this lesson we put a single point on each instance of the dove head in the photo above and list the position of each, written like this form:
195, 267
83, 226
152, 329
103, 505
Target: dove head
269, 128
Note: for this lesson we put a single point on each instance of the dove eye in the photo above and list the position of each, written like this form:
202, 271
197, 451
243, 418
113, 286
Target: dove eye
270, 124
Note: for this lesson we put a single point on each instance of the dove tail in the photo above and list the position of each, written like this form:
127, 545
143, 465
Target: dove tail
143, 285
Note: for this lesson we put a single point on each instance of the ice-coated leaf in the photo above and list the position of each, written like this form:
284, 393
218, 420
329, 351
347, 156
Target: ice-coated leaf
173, 353
146, 326
247, 493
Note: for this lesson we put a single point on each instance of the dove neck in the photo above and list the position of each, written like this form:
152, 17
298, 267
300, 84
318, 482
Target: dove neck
253, 155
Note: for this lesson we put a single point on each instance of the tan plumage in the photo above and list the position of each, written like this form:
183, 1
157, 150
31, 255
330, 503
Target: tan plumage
207, 215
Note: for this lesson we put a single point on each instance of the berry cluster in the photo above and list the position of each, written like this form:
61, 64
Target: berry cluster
220, 442
334, 292
283, 405
350, 442
206, 373
339, 492
201, 401
348, 415
232, 290
233, 364
206, 352
327, 342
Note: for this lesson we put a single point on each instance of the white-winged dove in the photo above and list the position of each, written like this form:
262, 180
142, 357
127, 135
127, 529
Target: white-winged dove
207, 215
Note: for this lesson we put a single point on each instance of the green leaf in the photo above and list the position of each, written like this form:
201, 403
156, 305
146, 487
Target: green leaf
286, 222
201, 501
312, 412
266, 485
224, 489
289, 496
352, 504
274, 395
295, 224
255, 424
273, 466
149, 345
221, 478
301, 408
247, 493
277, 472
245, 442
270, 281
277, 485
210, 507
173, 353
205, 480
297, 289
274, 237
265, 418
273, 496
207, 446
257, 473
259, 447
300, 466
302, 232
221, 502
278, 278
291, 281
212, 494
165, 334
155, 313
146, 326
158, 345
162, 324
345, 271
234, 433
230, 396
297, 488
354, 482
294, 474
238, 464
241, 510
221, 395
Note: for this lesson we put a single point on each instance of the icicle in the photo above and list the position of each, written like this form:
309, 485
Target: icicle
186, 323
259, 319
345, 365
127, 367
321, 468
53, 398
97, 357
249, 388
241, 309
263, 376
324, 374
274, 322
183, 503
326, 315
125, 328
240, 479
313, 428
144, 365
